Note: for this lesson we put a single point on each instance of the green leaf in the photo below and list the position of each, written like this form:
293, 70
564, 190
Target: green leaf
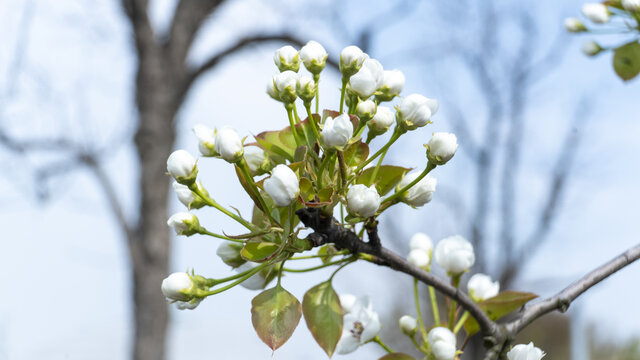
499, 306
356, 153
323, 315
259, 251
396, 356
275, 314
247, 187
272, 143
626, 60
387, 178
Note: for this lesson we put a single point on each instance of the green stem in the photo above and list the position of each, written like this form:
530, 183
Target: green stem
374, 174
378, 341
312, 121
345, 80
248, 274
209, 201
318, 267
281, 271
395, 136
461, 322
452, 313
214, 282
316, 79
415, 343
207, 232
434, 305
343, 170
292, 123
397, 194
416, 298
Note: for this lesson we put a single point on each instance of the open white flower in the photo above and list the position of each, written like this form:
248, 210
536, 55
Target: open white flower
420, 193
525, 352
283, 185
596, 12
229, 145
481, 287
443, 343
337, 132
174, 286
454, 254
347, 301
363, 201
314, 57
360, 325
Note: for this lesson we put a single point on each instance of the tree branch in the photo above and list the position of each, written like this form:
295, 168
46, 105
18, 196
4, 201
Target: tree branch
563, 299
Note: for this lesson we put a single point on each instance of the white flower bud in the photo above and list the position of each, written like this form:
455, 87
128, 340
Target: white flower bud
363, 201
382, 120
229, 252
306, 88
419, 258
415, 111
351, 60
229, 144
455, 255
287, 58
286, 83
631, 5
591, 48
206, 139
574, 25
256, 281
420, 193
596, 12
392, 84
185, 195
366, 81
443, 343
442, 147
481, 287
421, 241
525, 352
272, 90
314, 57
182, 166
337, 132
184, 223
175, 285
257, 160
347, 301
408, 325
283, 185
366, 110
188, 305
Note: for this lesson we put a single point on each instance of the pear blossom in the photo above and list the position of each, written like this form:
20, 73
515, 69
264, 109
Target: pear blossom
185, 195
188, 305
184, 223
419, 258
631, 5
591, 48
596, 12
314, 57
347, 301
416, 110
420, 193
382, 120
255, 282
392, 84
182, 166
525, 352
285, 85
337, 132
441, 147
481, 287
351, 60
206, 139
306, 88
454, 254
366, 81
257, 160
366, 110
574, 25
408, 324
360, 325
421, 241
443, 343
283, 185
287, 58
363, 201
175, 285
229, 145
229, 252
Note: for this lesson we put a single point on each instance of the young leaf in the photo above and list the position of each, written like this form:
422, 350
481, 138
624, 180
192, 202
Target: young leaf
258, 251
323, 315
275, 314
247, 188
626, 60
387, 178
499, 306
396, 356
270, 141
356, 153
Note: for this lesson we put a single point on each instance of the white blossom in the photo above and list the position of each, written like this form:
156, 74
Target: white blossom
314, 57
188, 305
525, 352
574, 25
285, 86
408, 324
382, 120
419, 258
416, 110
184, 223
185, 195
360, 325
363, 201
255, 282
596, 12
337, 132
366, 81
229, 252
351, 60
283, 185
392, 84
347, 301
481, 287
443, 343
631, 5
287, 58
441, 147
591, 48
181, 164
206, 139
454, 254
420, 193
366, 110
175, 285
306, 88
229, 144
421, 241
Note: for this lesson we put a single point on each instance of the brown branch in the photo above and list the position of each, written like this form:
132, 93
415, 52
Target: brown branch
563, 299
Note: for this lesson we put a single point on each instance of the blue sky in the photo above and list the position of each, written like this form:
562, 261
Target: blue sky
64, 264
